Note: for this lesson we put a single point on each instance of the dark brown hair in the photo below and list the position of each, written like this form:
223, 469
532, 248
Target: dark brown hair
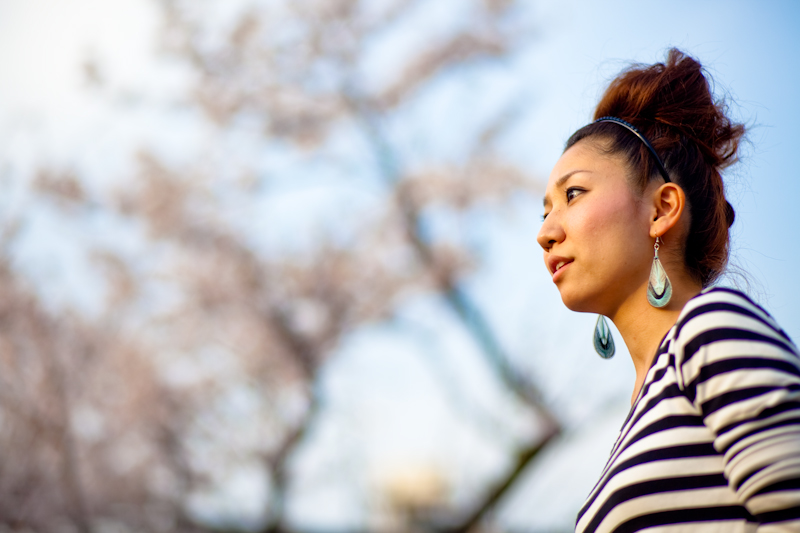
673, 106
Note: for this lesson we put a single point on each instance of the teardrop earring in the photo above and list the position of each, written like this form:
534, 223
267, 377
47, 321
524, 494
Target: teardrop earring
603, 341
659, 289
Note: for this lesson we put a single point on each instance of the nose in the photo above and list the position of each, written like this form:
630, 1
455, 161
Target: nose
551, 232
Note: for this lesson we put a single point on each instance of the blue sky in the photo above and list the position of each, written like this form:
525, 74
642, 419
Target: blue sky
750, 48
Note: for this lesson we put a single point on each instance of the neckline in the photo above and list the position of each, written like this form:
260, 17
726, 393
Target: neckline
649, 375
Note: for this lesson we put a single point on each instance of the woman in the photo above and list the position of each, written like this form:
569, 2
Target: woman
636, 229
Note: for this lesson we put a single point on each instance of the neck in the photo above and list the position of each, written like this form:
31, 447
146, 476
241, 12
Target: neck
643, 326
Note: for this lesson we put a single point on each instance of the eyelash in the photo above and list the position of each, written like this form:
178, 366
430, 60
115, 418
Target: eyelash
572, 189
567, 194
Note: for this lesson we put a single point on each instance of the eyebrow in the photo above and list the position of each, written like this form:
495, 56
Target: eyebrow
561, 181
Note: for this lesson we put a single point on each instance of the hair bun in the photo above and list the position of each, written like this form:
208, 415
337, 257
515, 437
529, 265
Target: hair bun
671, 100
730, 214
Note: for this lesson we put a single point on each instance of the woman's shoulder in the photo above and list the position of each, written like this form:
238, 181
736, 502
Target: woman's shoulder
722, 313
723, 331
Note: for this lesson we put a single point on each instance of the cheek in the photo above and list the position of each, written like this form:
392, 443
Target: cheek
612, 229
607, 218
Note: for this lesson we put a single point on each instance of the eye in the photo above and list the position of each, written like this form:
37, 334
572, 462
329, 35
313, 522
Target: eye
544, 216
573, 192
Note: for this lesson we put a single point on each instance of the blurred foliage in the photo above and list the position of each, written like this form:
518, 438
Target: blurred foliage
115, 421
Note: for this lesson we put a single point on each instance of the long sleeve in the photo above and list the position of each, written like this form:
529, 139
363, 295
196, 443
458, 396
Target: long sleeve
742, 373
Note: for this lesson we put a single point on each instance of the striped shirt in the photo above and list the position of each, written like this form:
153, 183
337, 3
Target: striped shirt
712, 442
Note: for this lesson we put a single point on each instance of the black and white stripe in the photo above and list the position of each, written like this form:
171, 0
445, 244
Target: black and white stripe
712, 443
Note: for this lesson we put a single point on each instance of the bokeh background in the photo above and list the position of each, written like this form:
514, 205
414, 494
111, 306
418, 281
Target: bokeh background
270, 265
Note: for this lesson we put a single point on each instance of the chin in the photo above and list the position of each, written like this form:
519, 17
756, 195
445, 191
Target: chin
579, 303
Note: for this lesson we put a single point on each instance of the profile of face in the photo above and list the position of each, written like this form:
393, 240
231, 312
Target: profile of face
596, 231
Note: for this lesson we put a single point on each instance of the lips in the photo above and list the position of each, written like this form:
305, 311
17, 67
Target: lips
555, 264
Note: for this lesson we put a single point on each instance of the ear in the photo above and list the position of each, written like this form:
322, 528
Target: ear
668, 204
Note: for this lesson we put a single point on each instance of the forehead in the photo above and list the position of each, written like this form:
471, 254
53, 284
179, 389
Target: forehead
588, 162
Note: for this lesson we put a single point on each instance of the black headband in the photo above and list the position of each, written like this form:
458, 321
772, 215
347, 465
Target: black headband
636, 132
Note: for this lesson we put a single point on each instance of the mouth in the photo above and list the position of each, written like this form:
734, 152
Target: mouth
557, 265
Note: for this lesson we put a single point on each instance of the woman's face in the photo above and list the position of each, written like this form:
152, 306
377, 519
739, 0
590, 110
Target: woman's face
596, 231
